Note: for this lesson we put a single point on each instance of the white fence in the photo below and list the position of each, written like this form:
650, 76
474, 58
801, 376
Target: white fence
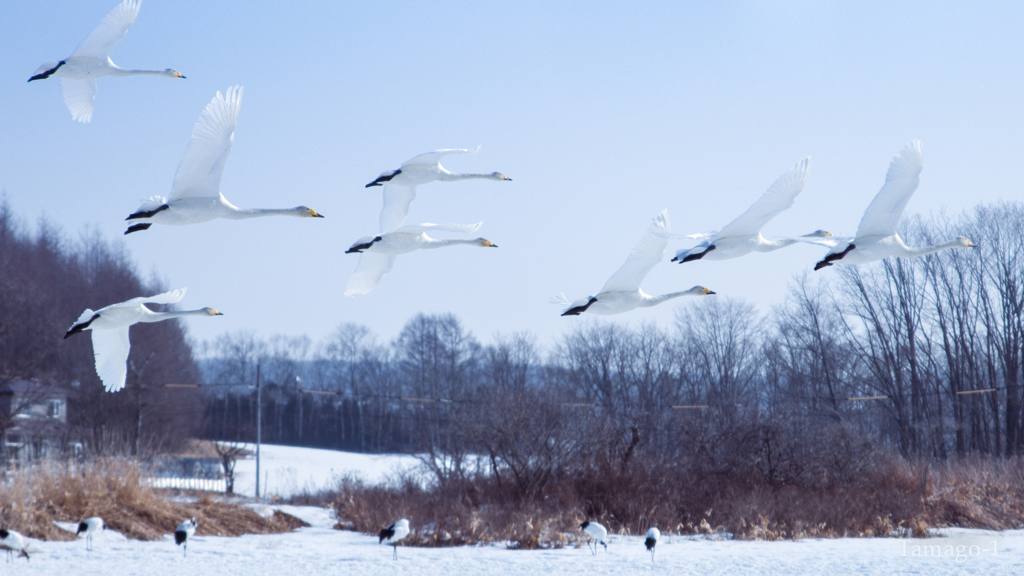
205, 484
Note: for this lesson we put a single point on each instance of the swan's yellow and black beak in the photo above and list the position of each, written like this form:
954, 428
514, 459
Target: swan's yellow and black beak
706, 291
314, 214
507, 178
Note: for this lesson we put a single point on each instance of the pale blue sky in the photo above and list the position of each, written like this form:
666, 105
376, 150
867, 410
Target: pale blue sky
602, 114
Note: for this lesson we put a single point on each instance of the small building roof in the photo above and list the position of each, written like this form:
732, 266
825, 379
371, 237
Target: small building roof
21, 386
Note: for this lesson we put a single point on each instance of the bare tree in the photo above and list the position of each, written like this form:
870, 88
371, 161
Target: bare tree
229, 453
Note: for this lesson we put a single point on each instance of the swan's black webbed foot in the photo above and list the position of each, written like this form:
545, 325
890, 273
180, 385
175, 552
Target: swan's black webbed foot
147, 213
833, 257
137, 228
577, 310
692, 257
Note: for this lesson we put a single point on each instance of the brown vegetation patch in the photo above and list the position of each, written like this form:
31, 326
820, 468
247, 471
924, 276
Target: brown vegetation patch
894, 497
34, 498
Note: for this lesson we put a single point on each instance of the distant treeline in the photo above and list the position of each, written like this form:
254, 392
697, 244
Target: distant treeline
921, 357
46, 281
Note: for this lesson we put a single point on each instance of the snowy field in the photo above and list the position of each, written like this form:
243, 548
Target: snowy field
321, 550
287, 470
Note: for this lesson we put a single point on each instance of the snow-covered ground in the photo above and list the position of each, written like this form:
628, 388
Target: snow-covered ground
321, 550
287, 470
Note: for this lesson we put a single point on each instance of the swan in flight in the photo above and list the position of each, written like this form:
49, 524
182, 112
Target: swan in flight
400, 185
622, 293
876, 236
110, 331
743, 235
78, 73
195, 194
378, 253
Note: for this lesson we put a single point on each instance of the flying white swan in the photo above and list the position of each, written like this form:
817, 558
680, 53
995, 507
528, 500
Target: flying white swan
743, 235
109, 327
400, 185
378, 253
876, 236
622, 293
195, 194
78, 73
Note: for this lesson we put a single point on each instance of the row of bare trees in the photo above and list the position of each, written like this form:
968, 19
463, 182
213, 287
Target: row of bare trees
46, 281
919, 356
937, 343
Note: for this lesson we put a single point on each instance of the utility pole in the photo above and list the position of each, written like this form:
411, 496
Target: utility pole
259, 427
298, 396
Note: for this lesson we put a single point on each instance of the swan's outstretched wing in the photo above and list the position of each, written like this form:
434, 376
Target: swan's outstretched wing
371, 268
396, 206
427, 227
649, 250
171, 297
883, 214
431, 158
78, 97
202, 166
110, 347
779, 197
697, 236
101, 41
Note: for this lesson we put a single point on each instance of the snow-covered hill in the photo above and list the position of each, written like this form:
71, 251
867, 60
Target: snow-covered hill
287, 470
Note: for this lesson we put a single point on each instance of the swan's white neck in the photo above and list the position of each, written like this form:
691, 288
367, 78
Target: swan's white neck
243, 213
435, 243
450, 176
909, 252
655, 300
116, 71
160, 316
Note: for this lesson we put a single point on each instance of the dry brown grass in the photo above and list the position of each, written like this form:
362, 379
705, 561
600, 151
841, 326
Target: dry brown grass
32, 499
893, 497
450, 517
976, 494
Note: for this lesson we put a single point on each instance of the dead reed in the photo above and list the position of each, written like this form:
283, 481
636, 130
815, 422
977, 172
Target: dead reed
32, 499
892, 497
